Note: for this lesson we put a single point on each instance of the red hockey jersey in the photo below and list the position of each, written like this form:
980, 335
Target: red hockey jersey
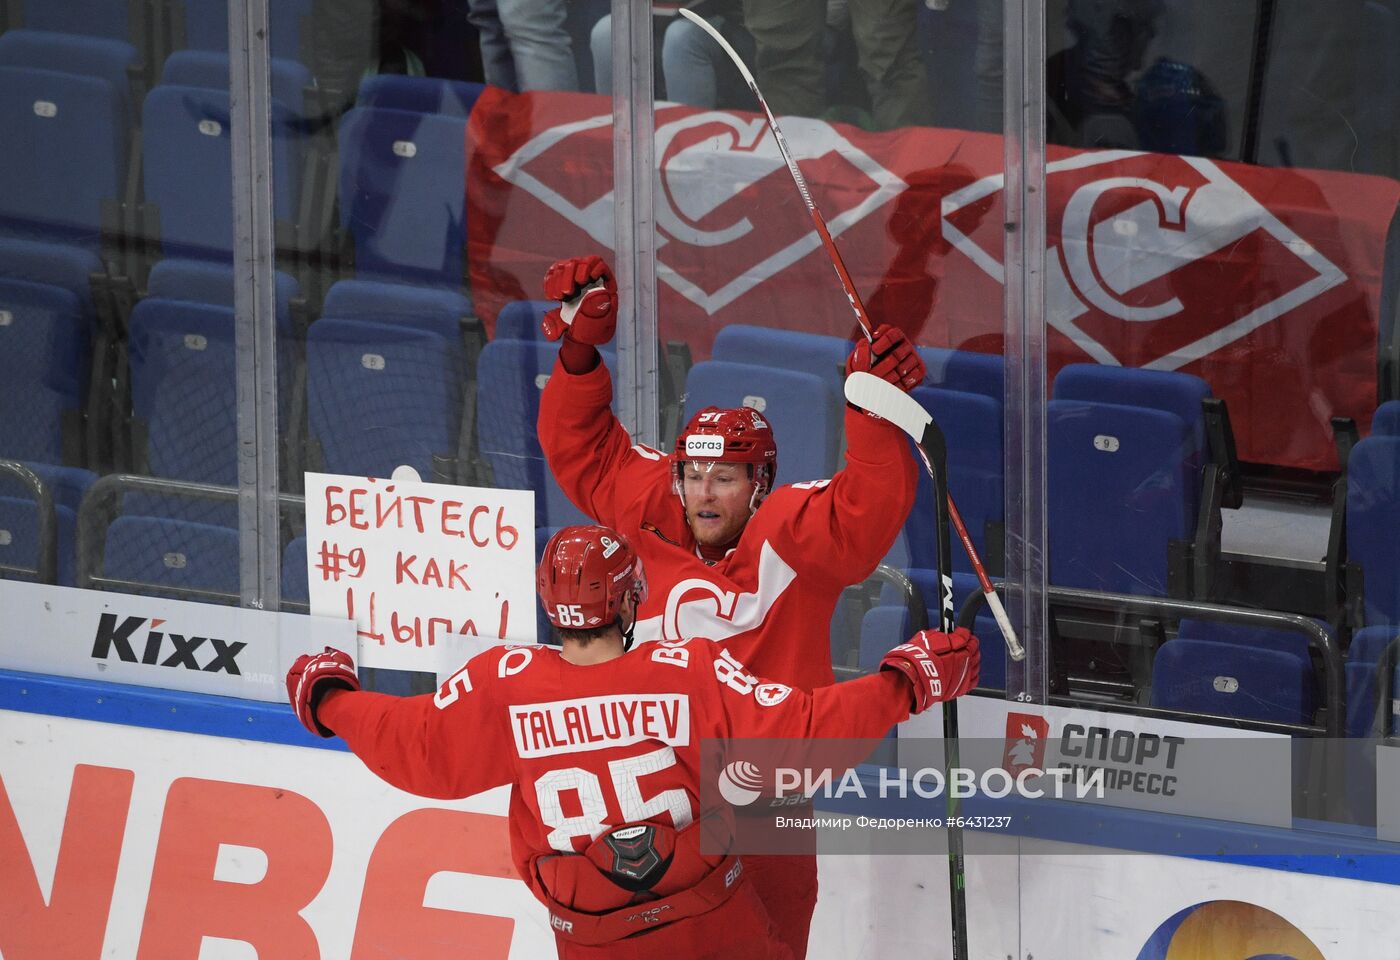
593, 747
771, 599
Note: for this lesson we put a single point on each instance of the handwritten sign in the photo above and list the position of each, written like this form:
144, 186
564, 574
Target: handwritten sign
431, 574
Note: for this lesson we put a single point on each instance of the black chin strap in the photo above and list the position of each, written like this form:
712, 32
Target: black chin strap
627, 632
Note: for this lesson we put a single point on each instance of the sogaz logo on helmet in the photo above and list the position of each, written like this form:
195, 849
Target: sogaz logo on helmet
707, 159
704, 445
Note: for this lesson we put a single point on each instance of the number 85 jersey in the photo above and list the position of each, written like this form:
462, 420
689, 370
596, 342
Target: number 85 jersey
592, 747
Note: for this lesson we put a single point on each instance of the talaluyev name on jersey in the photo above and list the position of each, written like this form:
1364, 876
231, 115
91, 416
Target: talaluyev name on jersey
593, 723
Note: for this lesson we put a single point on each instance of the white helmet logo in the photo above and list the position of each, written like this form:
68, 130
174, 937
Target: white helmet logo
609, 546
704, 445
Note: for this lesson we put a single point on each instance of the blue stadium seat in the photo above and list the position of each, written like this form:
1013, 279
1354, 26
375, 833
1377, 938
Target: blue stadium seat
74, 136
510, 376
1372, 519
1243, 635
295, 586
206, 68
392, 91
381, 395
881, 629
1118, 493
50, 264
437, 311
91, 18
805, 414
965, 371
1386, 422
1368, 643
971, 424
188, 169
1224, 679
818, 354
206, 25
1166, 390
1362, 688
401, 195
96, 57
44, 354
19, 521
520, 320
161, 552
203, 281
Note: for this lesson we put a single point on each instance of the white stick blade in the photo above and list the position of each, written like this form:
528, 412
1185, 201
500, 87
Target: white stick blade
704, 24
888, 402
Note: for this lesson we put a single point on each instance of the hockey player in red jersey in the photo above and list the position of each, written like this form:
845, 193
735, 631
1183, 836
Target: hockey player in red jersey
729, 556
602, 746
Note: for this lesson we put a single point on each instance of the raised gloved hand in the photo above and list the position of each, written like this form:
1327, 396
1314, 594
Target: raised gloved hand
941, 666
891, 357
312, 677
588, 296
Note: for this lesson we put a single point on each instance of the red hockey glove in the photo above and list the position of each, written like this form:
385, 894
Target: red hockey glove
940, 665
891, 357
588, 295
312, 677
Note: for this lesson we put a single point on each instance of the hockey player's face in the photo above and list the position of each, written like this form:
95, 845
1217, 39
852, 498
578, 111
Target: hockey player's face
717, 501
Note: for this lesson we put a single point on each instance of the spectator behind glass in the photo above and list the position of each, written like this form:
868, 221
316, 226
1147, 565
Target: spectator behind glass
543, 40
790, 66
694, 70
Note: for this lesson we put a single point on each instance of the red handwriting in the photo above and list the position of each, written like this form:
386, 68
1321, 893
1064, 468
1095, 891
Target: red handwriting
406, 629
334, 561
362, 508
429, 573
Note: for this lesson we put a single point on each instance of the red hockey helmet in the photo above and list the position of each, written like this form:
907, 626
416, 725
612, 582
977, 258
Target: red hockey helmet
584, 574
737, 435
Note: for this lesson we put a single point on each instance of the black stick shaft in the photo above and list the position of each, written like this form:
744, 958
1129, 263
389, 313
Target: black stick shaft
933, 449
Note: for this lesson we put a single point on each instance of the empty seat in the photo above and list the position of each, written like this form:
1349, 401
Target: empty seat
1386, 422
1225, 679
1245, 636
510, 376
965, 371
520, 320
155, 553
804, 412
971, 425
74, 137
44, 355
380, 396
103, 59
1118, 494
19, 519
1372, 519
401, 195
818, 354
93, 18
207, 282
392, 91
188, 169
207, 68
881, 629
438, 311
203, 25
1166, 390
1369, 643
295, 579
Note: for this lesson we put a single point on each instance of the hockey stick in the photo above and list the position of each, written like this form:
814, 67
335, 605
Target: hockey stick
888, 401
857, 306
863, 319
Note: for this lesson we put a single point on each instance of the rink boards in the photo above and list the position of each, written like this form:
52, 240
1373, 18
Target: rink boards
148, 824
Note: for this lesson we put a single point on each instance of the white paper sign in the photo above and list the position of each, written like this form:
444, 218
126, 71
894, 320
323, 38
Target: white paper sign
432, 574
